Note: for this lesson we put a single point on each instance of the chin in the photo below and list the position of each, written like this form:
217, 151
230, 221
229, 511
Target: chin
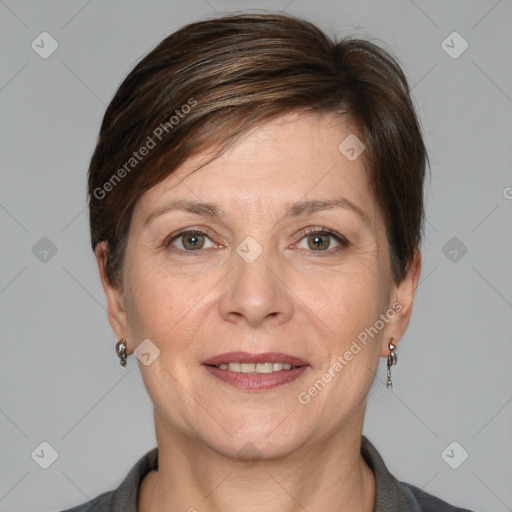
266, 436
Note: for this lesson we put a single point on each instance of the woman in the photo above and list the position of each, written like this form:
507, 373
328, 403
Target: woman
256, 214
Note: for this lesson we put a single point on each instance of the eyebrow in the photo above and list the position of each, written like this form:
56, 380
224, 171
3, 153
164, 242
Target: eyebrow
299, 209
204, 209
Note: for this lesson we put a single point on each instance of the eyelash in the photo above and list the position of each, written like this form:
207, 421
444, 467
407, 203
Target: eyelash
344, 243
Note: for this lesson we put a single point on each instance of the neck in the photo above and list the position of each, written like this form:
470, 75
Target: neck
327, 475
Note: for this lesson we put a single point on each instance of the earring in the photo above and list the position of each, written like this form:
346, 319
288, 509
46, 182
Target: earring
392, 359
121, 351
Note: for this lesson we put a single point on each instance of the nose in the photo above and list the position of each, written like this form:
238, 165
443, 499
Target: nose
256, 291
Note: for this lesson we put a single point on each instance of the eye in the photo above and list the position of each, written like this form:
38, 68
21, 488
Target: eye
319, 240
191, 240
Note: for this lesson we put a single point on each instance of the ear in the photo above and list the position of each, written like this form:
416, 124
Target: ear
115, 298
403, 298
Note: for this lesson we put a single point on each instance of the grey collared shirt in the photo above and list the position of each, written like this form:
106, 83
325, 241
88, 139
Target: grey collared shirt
391, 496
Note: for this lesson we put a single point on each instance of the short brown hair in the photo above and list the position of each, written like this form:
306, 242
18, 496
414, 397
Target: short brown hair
208, 83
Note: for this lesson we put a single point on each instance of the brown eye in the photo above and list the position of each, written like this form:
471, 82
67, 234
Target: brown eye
193, 241
189, 241
318, 241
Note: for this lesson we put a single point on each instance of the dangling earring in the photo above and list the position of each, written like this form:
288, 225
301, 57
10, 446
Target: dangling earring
392, 359
121, 351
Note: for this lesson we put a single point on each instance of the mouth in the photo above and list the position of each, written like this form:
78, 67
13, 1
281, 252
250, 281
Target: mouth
266, 367
255, 371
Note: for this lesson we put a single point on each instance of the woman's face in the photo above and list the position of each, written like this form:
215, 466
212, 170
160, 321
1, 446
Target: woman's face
274, 270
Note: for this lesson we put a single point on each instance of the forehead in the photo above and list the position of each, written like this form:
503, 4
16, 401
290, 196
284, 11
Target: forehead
294, 157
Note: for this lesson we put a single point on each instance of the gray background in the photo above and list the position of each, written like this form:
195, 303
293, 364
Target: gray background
61, 381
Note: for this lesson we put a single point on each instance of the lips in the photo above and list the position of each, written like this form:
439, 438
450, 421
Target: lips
246, 380
247, 357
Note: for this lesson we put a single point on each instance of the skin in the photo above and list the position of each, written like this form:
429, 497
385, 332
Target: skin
294, 298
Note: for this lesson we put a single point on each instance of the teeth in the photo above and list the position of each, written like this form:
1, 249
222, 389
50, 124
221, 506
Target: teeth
264, 368
256, 367
247, 367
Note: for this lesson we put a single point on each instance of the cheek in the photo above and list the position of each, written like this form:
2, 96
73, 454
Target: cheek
353, 305
348, 300
162, 303
150, 297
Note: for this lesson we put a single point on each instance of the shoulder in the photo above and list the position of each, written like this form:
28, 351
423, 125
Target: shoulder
429, 503
124, 498
398, 496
